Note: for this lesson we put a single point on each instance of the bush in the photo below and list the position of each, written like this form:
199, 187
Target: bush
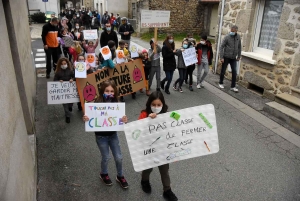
38, 17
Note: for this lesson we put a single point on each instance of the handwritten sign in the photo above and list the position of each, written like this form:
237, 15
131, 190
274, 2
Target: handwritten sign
155, 18
134, 50
80, 69
129, 77
106, 53
91, 59
120, 58
90, 34
154, 142
104, 116
189, 56
62, 92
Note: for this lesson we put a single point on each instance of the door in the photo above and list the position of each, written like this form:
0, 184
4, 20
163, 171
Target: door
213, 20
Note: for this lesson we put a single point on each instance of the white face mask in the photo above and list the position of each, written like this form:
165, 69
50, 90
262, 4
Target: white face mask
156, 109
77, 27
202, 42
64, 66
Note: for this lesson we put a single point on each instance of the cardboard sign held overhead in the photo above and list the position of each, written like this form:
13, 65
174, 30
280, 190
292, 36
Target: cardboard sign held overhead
173, 136
90, 34
155, 18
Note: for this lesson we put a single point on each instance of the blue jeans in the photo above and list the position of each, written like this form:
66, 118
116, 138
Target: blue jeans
168, 79
182, 75
112, 142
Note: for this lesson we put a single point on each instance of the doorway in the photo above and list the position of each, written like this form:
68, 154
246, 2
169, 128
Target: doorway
213, 20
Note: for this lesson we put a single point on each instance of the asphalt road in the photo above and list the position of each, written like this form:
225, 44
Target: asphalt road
253, 162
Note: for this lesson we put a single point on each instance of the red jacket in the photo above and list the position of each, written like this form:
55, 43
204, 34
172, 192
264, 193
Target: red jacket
143, 115
210, 53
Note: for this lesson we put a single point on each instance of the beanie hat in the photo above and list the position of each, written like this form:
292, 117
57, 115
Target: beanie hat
144, 51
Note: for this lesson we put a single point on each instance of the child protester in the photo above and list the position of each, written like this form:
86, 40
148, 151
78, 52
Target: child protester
109, 139
64, 72
122, 47
205, 55
67, 41
147, 67
90, 47
155, 64
156, 105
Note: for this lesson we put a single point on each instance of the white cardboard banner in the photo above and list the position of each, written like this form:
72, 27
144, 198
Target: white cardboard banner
120, 56
62, 92
90, 58
189, 56
155, 18
90, 34
154, 142
104, 116
80, 69
134, 50
106, 53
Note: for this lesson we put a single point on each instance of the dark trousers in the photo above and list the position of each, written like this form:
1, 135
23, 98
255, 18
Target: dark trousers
189, 74
232, 63
164, 174
182, 75
168, 79
51, 52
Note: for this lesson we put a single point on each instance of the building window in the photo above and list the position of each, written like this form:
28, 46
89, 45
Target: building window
133, 10
267, 23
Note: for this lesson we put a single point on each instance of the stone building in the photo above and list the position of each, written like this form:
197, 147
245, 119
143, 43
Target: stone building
189, 16
270, 32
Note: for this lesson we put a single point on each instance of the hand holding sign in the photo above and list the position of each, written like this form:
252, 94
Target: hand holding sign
80, 69
90, 34
90, 58
120, 56
106, 53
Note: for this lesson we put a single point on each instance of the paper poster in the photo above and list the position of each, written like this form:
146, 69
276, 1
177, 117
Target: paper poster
155, 18
173, 136
62, 92
90, 34
134, 50
90, 58
80, 69
106, 53
104, 116
189, 56
129, 77
120, 57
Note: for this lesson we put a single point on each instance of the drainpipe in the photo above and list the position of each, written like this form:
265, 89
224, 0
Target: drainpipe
219, 36
106, 6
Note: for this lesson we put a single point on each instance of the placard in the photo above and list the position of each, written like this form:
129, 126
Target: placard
62, 92
129, 77
120, 57
106, 53
80, 69
173, 136
90, 58
155, 18
189, 56
134, 50
104, 116
90, 34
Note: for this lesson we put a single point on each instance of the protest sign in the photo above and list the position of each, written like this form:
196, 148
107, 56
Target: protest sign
90, 34
104, 116
90, 59
189, 56
106, 53
129, 77
173, 136
120, 56
80, 69
62, 92
155, 18
134, 50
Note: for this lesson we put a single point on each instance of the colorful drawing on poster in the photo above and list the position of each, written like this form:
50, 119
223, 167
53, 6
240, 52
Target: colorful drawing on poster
80, 69
89, 93
137, 75
106, 53
134, 50
90, 59
120, 56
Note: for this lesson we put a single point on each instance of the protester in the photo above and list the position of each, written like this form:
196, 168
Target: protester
95, 23
147, 67
64, 72
105, 19
112, 21
107, 35
109, 62
51, 46
155, 64
90, 47
169, 62
125, 30
86, 20
118, 21
205, 55
122, 47
68, 45
230, 53
109, 139
156, 105
77, 33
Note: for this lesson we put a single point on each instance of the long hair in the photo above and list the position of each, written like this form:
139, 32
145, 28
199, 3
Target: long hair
103, 86
59, 63
154, 96
166, 42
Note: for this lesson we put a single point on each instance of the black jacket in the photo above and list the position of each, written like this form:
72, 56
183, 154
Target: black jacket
126, 28
105, 37
64, 75
169, 62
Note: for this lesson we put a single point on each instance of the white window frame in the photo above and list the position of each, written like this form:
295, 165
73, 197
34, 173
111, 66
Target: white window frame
133, 10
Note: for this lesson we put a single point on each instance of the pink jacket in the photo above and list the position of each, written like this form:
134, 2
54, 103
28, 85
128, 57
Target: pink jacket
89, 49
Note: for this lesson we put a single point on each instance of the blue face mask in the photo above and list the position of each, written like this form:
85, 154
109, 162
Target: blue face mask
232, 33
185, 46
108, 97
108, 28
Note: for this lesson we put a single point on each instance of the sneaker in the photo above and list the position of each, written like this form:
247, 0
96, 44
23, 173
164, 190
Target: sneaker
68, 120
191, 88
169, 195
198, 86
167, 91
175, 87
221, 86
122, 181
105, 178
201, 85
48, 76
180, 90
234, 89
146, 186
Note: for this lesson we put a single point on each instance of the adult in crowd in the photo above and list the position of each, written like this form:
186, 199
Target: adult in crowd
98, 17
230, 53
105, 19
118, 21
125, 30
95, 23
107, 35
49, 37
86, 20
112, 21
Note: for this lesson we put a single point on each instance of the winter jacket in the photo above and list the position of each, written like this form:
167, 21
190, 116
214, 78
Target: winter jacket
95, 23
64, 75
147, 64
155, 58
105, 19
78, 36
105, 37
126, 28
180, 62
231, 47
210, 54
169, 62
89, 49
107, 63
49, 35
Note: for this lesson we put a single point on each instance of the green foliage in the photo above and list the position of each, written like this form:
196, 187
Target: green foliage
38, 17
